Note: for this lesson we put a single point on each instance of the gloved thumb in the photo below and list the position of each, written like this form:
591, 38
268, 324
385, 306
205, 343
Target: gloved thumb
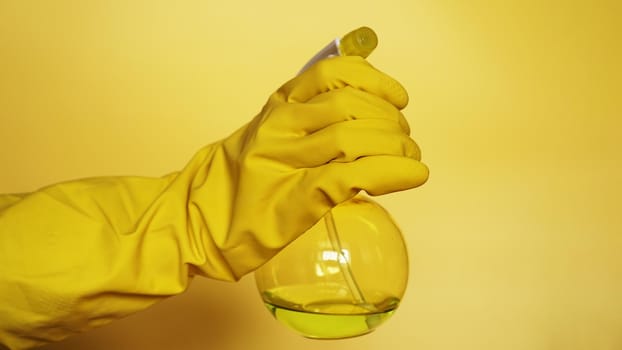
377, 175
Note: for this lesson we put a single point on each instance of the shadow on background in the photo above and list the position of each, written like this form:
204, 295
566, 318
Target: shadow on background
210, 314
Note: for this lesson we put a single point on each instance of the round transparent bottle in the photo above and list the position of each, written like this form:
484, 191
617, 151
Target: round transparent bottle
347, 274
342, 278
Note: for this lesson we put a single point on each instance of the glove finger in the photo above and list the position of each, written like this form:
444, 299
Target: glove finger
338, 72
346, 142
334, 107
377, 175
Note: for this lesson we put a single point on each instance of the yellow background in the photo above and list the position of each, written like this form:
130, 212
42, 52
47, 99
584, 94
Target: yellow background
515, 241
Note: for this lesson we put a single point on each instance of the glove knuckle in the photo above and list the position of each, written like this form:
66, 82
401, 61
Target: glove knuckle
323, 70
340, 103
338, 137
280, 110
282, 115
345, 100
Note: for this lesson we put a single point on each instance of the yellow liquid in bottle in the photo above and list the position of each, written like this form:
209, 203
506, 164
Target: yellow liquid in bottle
326, 315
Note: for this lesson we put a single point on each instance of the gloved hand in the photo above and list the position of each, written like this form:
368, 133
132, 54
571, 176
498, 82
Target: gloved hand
79, 254
320, 139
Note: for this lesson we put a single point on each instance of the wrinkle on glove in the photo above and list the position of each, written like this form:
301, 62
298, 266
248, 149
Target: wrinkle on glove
79, 254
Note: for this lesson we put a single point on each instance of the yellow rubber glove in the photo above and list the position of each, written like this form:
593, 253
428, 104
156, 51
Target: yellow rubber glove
77, 255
